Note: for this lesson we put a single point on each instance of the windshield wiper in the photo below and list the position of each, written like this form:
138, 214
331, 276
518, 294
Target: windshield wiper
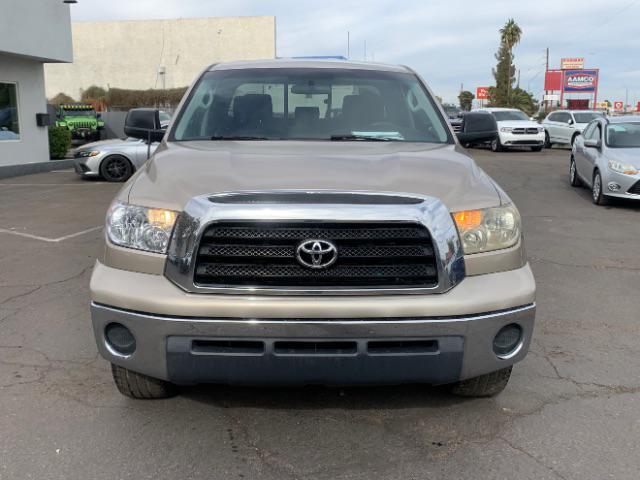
362, 138
237, 137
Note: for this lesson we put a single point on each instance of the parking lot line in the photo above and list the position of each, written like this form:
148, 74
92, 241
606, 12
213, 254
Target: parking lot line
50, 240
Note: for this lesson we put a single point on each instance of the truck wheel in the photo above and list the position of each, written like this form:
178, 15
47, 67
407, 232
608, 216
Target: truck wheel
496, 146
483, 386
547, 140
116, 168
137, 385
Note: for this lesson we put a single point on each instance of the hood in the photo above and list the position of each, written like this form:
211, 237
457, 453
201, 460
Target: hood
628, 156
102, 144
77, 118
181, 170
518, 124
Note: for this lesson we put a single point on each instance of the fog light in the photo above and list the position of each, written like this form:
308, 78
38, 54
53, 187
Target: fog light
614, 187
120, 339
507, 340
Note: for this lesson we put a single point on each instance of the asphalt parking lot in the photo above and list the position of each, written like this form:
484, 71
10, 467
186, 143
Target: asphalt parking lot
571, 410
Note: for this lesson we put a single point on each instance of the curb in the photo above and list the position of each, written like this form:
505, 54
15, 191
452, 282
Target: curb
36, 167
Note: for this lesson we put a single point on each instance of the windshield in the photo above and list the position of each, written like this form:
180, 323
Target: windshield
509, 115
304, 104
623, 135
89, 112
586, 117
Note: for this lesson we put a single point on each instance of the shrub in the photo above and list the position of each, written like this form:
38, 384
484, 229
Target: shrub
59, 142
94, 93
60, 99
124, 99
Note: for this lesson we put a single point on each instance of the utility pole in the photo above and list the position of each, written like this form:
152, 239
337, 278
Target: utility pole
348, 44
546, 69
365, 50
626, 98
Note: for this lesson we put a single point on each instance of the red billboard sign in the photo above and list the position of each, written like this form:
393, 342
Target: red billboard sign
618, 106
482, 93
553, 80
580, 80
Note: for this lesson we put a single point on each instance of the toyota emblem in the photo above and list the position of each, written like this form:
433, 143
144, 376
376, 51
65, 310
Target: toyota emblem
316, 254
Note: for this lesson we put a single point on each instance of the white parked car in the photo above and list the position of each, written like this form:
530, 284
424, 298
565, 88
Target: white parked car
563, 126
515, 129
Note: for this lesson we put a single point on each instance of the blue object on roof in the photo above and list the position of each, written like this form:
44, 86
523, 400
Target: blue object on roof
321, 57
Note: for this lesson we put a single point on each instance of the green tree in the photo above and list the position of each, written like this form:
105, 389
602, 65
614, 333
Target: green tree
523, 100
510, 35
466, 100
505, 70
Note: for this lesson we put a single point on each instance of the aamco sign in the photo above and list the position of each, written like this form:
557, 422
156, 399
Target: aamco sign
618, 106
580, 80
482, 93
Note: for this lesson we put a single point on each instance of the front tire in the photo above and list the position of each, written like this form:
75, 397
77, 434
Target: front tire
483, 386
574, 180
496, 145
596, 190
547, 140
136, 385
116, 168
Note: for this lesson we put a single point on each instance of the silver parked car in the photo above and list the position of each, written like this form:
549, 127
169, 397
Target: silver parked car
564, 126
115, 160
606, 157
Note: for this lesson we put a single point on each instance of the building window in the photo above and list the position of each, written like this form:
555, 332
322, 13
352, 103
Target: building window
9, 125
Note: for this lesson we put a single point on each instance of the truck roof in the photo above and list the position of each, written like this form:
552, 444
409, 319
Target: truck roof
309, 63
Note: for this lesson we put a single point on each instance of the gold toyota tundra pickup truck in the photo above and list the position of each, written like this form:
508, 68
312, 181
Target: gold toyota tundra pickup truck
310, 222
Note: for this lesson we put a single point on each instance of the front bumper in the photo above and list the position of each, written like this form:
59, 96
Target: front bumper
202, 338
508, 139
628, 185
88, 166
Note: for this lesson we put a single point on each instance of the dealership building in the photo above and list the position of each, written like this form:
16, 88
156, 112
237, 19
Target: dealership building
157, 53
32, 34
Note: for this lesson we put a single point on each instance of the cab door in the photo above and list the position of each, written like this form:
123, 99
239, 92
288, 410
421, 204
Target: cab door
564, 129
590, 154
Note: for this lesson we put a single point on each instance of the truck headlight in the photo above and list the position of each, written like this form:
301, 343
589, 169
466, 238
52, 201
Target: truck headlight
506, 129
142, 228
488, 229
620, 167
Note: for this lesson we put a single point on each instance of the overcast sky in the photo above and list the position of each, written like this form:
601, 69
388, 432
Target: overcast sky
448, 42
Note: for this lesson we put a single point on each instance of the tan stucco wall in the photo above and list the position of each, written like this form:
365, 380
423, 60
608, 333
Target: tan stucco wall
127, 54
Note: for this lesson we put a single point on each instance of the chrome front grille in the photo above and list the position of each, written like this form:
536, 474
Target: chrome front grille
263, 254
248, 243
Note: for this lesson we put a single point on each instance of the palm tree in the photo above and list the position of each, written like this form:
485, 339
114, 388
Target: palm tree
510, 35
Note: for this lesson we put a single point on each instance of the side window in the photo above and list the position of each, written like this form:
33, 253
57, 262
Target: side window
589, 130
564, 117
9, 124
594, 131
554, 117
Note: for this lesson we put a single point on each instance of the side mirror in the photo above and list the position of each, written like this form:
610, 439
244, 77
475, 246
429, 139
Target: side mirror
98, 116
570, 121
144, 123
593, 143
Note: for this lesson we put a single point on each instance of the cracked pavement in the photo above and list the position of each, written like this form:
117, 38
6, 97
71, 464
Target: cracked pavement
571, 410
